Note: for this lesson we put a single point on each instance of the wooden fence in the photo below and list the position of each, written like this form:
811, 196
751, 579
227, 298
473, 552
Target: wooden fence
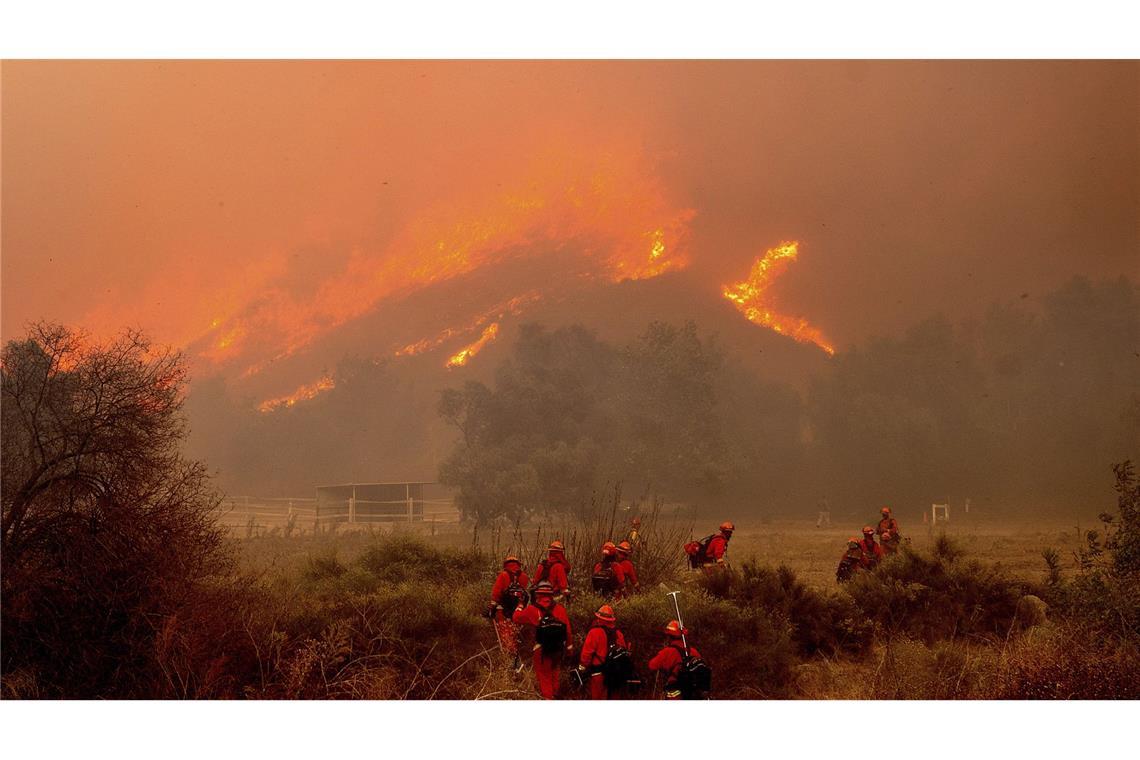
259, 513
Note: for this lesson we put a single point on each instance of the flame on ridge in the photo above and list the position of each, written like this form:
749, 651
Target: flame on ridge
751, 297
489, 334
304, 393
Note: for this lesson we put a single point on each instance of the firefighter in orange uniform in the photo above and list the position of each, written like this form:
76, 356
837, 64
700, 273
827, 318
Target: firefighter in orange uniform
555, 570
553, 636
609, 577
601, 636
718, 546
889, 540
872, 552
887, 523
507, 594
668, 661
626, 565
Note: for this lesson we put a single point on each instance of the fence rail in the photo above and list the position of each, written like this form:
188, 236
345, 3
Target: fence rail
272, 512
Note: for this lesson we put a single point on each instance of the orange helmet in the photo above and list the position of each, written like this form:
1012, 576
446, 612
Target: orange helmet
624, 547
885, 510
868, 530
606, 613
675, 630
511, 558
544, 588
608, 549
727, 525
853, 543
557, 546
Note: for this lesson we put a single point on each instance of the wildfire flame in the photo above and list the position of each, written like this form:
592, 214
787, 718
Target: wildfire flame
752, 299
498, 312
489, 334
607, 218
304, 393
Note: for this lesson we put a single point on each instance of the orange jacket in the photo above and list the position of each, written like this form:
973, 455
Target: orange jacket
717, 547
619, 572
872, 552
888, 523
596, 646
503, 581
669, 659
626, 566
532, 615
556, 575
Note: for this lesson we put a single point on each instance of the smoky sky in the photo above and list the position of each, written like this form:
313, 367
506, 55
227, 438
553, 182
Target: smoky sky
153, 194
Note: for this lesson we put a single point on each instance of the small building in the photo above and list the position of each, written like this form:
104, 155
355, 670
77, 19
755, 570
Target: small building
372, 502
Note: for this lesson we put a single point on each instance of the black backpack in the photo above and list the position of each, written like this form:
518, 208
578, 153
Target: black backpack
693, 676
604, 580
617, 668
699, 555
513, 596
550, 633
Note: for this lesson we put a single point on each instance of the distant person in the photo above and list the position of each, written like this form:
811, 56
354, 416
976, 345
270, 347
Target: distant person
634, 534
851, 562
508, 593
605, 660
687, 675
553, 637
624, 550
889, 540
554, 570
887, 522
710, 552
872, 552
608, 579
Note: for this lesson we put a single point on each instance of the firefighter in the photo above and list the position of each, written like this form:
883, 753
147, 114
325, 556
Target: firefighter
634, 531
507, 594
626, 565
669, 660
609, 576
887, 522
553, 637
718, 545
889, 540
554, 569
872, 552
596, 652
851, 562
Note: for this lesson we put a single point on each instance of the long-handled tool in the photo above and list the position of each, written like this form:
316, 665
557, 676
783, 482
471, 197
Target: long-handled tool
680, 622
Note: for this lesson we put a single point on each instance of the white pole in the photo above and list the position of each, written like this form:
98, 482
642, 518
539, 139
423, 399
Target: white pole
680, 622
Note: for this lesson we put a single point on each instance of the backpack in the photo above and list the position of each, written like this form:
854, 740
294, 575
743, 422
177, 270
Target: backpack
698, 551
604, 580
693, 676
550, 633
513, 596
617, 668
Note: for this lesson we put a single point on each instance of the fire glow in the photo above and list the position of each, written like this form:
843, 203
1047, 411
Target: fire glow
460, 359
304, 393
752, 300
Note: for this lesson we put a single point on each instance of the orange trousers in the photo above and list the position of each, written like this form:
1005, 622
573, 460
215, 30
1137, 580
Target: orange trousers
547, 669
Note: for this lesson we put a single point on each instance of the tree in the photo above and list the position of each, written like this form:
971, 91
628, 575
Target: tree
107, 532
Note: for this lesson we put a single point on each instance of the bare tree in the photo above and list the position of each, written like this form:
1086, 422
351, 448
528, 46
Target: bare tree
107, 532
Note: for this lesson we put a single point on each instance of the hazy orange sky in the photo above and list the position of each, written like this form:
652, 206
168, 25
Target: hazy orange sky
183, 196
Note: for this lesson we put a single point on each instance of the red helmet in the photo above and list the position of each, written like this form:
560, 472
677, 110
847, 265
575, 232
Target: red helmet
544, 589
675, 630
606, 613
608, 549
557, 546
624, 547
511, 558
727, 525
885, 510
868, 530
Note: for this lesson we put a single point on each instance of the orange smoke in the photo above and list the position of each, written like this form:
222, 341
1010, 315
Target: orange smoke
752, 299
460, 358
304, 393
603, 218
